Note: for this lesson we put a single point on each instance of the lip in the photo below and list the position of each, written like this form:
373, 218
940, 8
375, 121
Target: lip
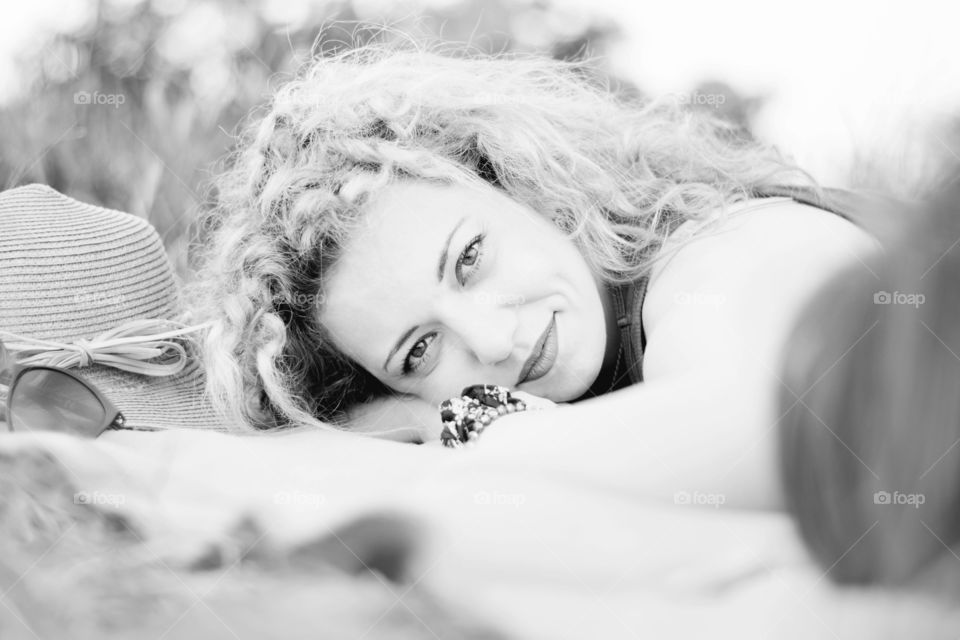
543, 354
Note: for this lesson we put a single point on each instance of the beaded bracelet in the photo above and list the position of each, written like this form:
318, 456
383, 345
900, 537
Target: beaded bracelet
465, 418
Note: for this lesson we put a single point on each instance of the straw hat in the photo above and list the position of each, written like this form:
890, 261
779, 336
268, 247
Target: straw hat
70, 273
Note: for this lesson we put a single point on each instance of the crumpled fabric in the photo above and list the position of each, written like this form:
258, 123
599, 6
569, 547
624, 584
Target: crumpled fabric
453, 545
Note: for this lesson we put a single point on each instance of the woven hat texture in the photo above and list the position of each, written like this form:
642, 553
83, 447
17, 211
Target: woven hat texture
70, 271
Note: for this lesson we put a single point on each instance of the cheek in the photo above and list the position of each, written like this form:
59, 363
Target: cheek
449, 378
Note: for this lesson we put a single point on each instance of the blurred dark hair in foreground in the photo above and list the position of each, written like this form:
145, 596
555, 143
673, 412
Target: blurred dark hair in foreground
870, 435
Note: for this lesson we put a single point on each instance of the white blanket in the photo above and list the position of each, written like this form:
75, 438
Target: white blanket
536, 559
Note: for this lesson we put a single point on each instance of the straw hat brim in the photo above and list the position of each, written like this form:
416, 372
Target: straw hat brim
70, 271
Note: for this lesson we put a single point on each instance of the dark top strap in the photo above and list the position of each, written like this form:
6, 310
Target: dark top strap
871, 211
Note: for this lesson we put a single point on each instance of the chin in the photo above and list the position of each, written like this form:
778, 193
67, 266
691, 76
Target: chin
570, 388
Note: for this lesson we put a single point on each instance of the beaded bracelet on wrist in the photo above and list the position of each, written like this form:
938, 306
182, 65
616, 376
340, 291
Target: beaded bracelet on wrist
464, 418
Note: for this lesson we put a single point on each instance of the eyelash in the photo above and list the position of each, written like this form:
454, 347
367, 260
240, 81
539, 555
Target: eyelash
477, 242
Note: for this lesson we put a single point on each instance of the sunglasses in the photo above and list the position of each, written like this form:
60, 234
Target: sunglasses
41, 398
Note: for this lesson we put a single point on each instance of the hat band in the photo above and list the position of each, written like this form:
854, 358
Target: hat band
144, 346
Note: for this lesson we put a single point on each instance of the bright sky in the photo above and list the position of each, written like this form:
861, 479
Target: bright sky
841, 74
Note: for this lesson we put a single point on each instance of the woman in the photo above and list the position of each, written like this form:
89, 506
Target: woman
402, 224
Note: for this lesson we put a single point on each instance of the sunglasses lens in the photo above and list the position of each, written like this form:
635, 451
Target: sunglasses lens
45, 400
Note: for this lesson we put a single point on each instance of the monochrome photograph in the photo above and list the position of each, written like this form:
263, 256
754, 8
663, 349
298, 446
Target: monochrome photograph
479, 320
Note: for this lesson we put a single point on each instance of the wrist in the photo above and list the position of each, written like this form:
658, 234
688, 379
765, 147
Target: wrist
465, 417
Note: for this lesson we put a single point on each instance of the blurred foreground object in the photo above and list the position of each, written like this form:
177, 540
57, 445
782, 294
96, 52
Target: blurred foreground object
871, 428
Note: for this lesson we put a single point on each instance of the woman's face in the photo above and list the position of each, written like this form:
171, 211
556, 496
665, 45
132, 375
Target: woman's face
449, 286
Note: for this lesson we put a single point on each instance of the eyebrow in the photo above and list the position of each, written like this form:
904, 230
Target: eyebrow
441, 267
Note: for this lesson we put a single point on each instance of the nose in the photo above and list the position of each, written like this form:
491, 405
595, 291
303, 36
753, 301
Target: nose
485, 322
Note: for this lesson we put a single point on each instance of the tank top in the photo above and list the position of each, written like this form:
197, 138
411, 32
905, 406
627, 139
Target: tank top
871, 211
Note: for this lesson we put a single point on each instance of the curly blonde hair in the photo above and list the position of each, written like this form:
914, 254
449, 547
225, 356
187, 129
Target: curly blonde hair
616, 174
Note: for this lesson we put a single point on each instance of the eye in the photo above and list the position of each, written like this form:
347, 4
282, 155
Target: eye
416, 353
471, 256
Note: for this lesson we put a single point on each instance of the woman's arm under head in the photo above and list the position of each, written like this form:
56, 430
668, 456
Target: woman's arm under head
399, 417
717, 316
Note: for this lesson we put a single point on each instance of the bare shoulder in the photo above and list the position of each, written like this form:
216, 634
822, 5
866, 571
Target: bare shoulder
738, 284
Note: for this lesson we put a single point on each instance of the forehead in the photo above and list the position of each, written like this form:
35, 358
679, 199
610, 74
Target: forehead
414, 212
388, 268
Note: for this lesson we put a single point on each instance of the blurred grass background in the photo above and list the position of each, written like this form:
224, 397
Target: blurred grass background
134, 104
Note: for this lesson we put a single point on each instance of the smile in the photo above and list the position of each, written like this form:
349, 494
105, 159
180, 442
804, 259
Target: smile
543, 356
